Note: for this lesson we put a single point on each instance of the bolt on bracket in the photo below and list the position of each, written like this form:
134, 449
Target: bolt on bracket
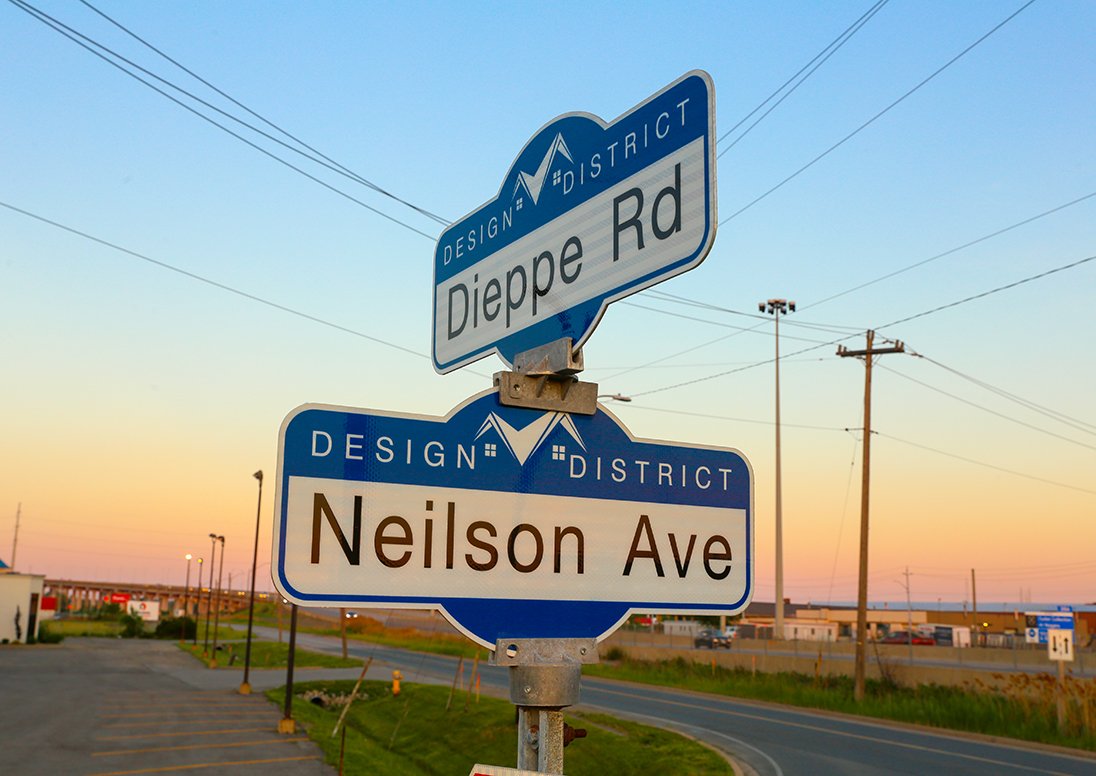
544, 379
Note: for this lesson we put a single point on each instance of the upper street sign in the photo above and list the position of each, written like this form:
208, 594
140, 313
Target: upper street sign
516, 523
587, 214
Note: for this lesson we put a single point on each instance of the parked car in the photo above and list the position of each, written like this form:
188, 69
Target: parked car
903, 637
711, 639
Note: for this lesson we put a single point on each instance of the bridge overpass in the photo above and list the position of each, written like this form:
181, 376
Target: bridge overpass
82, 595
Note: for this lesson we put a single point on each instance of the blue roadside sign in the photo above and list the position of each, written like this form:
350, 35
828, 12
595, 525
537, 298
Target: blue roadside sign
588, 213
1038, 623
515, 523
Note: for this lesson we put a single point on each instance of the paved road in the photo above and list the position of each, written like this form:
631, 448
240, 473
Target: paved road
773, 740
1019, 661
119, 706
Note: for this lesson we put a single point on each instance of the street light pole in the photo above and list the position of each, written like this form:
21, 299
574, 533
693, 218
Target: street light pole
198, 602
245, 686
209, 600
776, 308
186, 600
217, 614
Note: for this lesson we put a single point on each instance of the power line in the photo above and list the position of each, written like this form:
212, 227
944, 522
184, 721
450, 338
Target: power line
711, 322
684, 300
874, 118
215, 284
72, 35
983, 238
696, 380
350, 173
984, 294
1061, 417
833, 328
731, 419
969, 403
987, 465
696, 365
820, 58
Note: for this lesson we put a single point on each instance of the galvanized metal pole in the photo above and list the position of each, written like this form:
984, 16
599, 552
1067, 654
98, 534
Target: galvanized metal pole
217, 614
287, 724
545, 678
186, 600
209, 600
778, 307
245, 685
198, 602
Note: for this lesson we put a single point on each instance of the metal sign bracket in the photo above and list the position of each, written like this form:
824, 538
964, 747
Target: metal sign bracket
545, 675
544, 379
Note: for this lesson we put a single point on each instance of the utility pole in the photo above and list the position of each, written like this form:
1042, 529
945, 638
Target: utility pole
15, 540
909, 615
974, 596
776, 308
868, 354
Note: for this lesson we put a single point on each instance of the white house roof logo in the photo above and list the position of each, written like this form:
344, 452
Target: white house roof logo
522, 443
533, 184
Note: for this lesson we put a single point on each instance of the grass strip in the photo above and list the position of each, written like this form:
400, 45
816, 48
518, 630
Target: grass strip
267, 654
369, 630
1024, 708
414, 734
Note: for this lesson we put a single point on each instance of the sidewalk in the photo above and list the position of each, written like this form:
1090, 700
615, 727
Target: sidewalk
122, 706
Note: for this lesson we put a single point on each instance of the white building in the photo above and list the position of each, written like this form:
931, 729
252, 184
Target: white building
20, 605
810, 630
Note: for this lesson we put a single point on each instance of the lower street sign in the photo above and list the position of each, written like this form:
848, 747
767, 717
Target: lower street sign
515, 523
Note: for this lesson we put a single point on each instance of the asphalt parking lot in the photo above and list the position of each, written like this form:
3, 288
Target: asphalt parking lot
113, 706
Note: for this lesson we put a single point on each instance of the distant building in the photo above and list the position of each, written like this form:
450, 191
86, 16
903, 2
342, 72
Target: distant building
20, 604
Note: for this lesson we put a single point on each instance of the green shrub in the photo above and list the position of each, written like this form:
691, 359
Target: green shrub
47, 636
132, 626
182, 628
109, 612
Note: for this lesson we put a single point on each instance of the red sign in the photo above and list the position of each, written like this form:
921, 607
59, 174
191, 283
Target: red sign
49, 602
117, 598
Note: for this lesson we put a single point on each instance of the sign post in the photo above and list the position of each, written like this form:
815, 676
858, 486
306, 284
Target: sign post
536, 533
530, 516
1060, 649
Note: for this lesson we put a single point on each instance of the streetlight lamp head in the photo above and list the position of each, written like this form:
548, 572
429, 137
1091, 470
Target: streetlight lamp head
201, 560
258, 475
614, 396
221, 539
213, 536
188, 556
761, 307
791, 306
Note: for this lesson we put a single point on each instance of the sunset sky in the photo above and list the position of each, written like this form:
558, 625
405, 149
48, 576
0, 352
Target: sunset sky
140, 392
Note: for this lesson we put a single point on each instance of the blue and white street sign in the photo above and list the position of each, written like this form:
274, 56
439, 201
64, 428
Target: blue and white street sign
588, 213
515, 523
1038, 623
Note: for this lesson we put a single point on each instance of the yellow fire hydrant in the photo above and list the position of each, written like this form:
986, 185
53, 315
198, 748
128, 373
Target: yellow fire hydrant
396, 676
